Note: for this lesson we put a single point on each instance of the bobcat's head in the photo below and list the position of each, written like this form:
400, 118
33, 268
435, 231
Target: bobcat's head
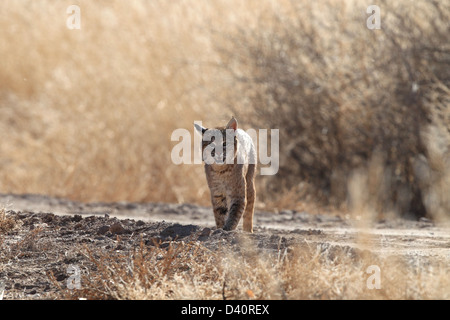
219, 145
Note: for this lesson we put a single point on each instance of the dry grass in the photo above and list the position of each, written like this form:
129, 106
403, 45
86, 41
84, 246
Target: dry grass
191, 271
235, 266
87, 114
7, 223
344, 96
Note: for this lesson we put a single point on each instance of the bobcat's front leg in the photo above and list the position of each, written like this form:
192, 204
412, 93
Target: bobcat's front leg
219, 203
237, 201
237, 198
237, 207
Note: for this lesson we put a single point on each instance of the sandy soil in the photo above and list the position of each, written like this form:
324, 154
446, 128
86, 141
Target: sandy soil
50, 232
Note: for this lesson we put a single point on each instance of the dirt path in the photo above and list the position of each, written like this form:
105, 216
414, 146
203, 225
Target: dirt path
50, 231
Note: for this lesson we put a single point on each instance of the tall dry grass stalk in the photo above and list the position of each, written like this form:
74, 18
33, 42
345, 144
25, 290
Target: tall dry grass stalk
87, 114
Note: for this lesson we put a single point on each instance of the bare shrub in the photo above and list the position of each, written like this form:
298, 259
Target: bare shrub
342, 94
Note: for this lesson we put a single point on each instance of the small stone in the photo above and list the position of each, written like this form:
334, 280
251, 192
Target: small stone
140, 223
119, 247
103, 230
206, 232
117, 228
77, 218
78, 226
60, 277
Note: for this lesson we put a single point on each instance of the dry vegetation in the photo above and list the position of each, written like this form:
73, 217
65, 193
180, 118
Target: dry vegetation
350, 101
7, 223
192, 271
87, 114
364, 119
128, 259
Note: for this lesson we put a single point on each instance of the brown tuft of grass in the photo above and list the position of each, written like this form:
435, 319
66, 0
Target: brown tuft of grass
7, 222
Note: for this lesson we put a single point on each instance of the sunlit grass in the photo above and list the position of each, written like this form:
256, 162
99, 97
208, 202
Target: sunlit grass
87, 114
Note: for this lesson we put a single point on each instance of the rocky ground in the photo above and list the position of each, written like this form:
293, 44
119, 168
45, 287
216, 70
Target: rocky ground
47, 235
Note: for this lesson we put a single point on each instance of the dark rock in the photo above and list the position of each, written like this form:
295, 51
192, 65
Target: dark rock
103, 230
77, 218
178, 231
117, 228
140, 223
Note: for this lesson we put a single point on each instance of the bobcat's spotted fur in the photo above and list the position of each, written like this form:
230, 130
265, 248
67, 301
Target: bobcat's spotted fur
232, 183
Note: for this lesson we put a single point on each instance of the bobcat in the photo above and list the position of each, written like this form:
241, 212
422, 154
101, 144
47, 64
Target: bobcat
231, 176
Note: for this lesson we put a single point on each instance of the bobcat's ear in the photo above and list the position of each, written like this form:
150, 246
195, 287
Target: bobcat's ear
232, 124
200, 129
